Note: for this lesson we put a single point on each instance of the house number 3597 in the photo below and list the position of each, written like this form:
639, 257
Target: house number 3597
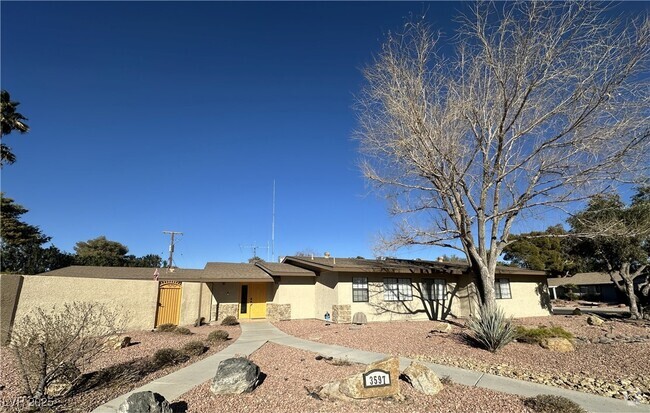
376, 378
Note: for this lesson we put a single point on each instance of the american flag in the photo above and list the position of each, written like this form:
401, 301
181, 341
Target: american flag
156, 274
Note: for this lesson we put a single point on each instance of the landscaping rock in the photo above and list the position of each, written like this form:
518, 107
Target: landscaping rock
145, 402
558, 344
440, 327
354, 387
423, 379
63, 382
117, 342
593, 320
235, 376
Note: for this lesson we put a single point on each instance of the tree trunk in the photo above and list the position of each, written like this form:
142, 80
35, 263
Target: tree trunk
487, 284
634, 307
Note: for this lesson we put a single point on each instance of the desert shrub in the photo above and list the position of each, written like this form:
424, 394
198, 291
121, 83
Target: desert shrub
491, 329
446, 380
230, 321
218, 335
50, 345
166, 328
182, 330
536, 335
545, 403
577, 311
169, 356
194, 348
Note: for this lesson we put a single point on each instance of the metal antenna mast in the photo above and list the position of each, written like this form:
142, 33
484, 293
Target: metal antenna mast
273, 226
170, 264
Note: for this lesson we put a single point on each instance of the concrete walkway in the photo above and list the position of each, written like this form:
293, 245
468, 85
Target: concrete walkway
256, 333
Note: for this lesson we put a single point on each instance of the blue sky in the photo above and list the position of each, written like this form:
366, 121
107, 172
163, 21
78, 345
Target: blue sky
152, 116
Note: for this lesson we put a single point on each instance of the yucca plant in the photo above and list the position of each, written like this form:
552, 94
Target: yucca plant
491, 328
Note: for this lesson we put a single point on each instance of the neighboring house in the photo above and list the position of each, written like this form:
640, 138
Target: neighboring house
297, 288
592, 286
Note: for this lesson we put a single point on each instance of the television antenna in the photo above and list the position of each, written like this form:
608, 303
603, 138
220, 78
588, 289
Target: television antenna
254, 247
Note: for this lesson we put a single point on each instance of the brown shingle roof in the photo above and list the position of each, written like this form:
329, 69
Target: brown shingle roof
235, 272
585, 278
394, 265
282, 269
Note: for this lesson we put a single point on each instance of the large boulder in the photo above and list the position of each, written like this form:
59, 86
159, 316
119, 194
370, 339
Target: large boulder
558, 344
380, 379
423, 379
235, 376
145, 402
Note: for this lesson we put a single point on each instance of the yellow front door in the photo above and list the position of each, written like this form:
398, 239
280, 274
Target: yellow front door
169, 303
252, 301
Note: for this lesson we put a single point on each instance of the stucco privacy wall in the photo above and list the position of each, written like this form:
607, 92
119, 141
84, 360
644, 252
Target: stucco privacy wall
195, 302
529, 296
299, 292
136, 298
10, 285
376, 309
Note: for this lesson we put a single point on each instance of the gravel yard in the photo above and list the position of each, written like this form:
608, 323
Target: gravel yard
290, 372
145, 343
615, 370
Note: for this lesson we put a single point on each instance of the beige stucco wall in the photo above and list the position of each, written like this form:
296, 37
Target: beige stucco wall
376, 309
300, 292
195, 302
529, 297
325, 294
223, 293
10, 285
136, 298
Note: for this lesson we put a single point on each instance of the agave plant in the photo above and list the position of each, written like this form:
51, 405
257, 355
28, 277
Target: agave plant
491, 328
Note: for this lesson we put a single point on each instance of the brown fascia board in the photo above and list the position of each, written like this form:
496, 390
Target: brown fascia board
375, 267
432, 268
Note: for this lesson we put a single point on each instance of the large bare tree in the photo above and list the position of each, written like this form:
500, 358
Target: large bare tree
541, 105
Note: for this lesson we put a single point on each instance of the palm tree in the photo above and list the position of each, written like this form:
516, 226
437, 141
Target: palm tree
11, 121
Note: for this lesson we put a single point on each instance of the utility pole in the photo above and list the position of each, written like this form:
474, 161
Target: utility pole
170, 264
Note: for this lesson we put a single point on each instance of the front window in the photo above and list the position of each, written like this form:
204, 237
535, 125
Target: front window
398, 289
502, 288
359, 289
434, 289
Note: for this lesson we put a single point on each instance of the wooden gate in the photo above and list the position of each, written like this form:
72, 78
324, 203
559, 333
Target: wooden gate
169, 303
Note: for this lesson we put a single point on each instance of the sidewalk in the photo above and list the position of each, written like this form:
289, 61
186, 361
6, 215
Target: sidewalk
256, 333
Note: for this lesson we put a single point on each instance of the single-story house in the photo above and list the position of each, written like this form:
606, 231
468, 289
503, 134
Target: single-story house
592, 286
296, 288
